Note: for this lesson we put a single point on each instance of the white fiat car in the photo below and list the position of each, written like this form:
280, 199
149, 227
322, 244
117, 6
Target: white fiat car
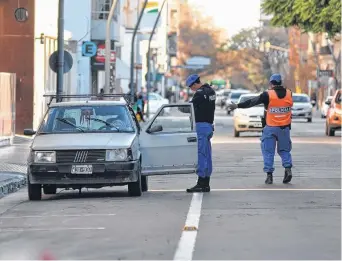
93, 144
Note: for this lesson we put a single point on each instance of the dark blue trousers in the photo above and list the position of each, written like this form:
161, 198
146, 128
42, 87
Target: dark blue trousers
204, 134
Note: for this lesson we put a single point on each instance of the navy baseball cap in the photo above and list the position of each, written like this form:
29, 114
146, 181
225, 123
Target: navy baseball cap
192, 79
276, 78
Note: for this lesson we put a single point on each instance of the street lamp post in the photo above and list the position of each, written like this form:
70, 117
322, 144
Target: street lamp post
149, 58
132, 50
108, 47
60, 59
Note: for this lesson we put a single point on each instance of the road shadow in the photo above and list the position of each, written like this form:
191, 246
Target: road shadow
86, 194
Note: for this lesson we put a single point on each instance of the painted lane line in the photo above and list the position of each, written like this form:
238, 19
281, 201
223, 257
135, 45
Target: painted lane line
48, 216
49, 229
250, 189
186, 244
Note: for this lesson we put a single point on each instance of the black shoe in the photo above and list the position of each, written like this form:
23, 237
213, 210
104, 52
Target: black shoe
199, 187
287, 176
206, 184
269, 179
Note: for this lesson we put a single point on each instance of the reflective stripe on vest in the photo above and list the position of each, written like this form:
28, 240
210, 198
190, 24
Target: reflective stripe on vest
279, 110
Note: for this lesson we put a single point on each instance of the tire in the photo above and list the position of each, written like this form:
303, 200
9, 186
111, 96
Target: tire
34, 191
228, 112
144, 183
135, 188
309, 119
236, 133
331, 132
49, 189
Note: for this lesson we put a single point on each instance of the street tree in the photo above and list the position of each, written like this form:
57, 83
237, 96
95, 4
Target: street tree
317, 16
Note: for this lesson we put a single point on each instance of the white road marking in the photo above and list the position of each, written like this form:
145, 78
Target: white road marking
251, 189
186, 244
49, 229
48, 216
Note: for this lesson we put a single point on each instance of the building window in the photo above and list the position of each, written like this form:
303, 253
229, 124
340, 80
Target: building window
101, 8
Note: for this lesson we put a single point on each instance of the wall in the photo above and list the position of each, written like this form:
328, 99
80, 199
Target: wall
16, 52
78, 23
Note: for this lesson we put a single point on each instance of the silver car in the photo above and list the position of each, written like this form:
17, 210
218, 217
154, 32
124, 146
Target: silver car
93, 144
302, 107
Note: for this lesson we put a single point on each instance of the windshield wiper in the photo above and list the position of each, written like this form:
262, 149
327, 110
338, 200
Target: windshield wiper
70, 123
107, 123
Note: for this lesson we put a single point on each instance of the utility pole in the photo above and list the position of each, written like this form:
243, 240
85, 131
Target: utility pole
132, 50
149, 58
108, 47
60, 60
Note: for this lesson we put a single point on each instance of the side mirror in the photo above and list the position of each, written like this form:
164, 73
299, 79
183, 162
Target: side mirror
156, 128
29, 132
328, 103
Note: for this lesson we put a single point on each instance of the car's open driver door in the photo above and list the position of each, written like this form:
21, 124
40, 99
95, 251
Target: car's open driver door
168, 143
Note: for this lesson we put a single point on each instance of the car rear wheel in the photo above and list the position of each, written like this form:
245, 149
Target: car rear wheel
34, 191
135, 188
49, 189
236, 133
331, 132
309, 119
144, 183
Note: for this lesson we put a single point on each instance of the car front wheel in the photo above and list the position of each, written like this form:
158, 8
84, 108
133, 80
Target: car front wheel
309, 119
236, 133
34, 191
135, 188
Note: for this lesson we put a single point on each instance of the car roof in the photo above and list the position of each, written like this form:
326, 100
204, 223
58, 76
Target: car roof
87, 103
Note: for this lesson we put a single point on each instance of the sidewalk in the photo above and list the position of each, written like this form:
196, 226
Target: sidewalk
5, 141
13, 164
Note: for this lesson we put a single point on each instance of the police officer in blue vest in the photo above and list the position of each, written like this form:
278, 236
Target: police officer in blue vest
204, 106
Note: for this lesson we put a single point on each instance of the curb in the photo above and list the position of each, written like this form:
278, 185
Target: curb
12, 185
8, 141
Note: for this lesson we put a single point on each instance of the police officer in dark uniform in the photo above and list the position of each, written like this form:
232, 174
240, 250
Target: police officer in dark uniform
204, 106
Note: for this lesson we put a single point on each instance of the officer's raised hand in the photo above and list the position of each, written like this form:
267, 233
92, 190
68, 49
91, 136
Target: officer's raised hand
232, 106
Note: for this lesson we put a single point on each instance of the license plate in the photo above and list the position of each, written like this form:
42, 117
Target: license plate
82, 169
257, 125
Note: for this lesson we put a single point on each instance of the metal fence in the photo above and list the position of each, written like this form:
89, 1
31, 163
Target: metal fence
7, 103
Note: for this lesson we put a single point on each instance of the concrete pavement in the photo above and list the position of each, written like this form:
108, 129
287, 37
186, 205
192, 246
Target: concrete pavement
241, 218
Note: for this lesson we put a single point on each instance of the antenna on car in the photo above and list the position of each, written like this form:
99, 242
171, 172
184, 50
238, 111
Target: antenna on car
127, 97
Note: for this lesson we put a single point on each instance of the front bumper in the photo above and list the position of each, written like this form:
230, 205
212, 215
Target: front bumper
301, 114
335, 121
248, 125
109, 173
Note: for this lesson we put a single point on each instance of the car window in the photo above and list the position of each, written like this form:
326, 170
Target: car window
152, 97
173, 120
236, 95
71, 119
300, 99
226, 94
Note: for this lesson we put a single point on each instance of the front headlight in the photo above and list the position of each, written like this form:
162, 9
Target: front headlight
117, 155
44, 157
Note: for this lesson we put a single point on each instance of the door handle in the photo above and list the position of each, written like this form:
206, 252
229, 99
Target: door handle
192, 139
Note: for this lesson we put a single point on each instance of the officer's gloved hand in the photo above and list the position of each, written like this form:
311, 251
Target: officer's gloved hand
232, 106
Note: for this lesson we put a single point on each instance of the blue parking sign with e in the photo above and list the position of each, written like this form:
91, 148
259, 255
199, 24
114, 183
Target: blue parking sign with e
89, 49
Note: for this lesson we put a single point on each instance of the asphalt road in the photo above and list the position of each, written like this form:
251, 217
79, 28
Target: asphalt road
241, 218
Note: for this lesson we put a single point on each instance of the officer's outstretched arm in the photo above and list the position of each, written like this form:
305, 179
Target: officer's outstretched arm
196, 100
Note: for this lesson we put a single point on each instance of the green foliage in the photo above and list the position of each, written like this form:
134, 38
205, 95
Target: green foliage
315, 16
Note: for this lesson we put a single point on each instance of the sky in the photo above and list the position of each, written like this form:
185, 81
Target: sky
232, 15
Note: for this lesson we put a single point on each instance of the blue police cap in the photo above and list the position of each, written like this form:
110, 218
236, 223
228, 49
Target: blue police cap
276, 78
191, 79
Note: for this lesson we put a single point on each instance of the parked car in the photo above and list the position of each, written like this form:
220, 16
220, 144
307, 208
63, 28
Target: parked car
234, 97
156, 101
93, 144
302, 107
325, 107
334, 115
248, 120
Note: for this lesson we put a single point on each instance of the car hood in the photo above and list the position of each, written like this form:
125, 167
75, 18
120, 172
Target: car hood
254, 111
82, 141
301, 105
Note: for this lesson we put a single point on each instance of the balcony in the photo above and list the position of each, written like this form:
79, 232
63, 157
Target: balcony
99, 16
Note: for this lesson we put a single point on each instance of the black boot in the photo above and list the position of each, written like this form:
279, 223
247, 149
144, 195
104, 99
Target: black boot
206, 184
199, 187
287, 176
269, 179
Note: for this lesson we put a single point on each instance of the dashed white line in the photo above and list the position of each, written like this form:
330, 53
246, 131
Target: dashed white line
186, 244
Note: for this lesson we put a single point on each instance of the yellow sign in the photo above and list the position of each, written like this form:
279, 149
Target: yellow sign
298, 89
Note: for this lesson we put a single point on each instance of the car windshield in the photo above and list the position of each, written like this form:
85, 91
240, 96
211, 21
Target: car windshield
300, 99
89, 119
236, 95
226, 94
245, 98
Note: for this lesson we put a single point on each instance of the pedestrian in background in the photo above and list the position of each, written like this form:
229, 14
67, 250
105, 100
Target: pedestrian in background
276, 126
204, 106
